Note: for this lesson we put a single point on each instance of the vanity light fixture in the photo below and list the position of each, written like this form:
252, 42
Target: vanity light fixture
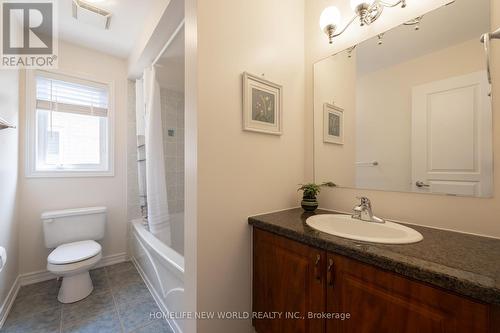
368, 12
380, 39
350, 50
415, 22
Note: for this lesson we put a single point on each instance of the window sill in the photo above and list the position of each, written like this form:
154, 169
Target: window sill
69, 174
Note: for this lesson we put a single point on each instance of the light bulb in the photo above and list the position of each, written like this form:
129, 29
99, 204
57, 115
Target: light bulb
355, 3
329, 16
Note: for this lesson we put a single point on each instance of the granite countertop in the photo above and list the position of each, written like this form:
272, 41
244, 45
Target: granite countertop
466, 264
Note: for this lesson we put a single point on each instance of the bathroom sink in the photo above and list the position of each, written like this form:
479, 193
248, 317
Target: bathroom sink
347, 227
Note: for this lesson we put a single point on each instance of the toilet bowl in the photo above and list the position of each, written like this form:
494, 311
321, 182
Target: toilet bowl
72, 262
72, 234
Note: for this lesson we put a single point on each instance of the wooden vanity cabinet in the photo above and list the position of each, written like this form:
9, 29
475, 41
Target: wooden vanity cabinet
292, 277
381, 301
289, 281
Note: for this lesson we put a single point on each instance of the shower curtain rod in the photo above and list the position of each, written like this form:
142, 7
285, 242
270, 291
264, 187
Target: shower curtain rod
167, 44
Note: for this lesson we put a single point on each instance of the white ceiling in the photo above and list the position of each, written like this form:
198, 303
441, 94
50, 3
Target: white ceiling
170, 67
128, 20
460, 21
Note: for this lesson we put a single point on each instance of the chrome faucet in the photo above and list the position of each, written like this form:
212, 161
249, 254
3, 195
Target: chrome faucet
364, 212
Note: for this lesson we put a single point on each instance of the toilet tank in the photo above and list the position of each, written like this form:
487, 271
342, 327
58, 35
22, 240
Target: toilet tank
73, 225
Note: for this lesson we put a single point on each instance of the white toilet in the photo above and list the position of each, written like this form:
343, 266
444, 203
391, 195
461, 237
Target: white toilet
72, 234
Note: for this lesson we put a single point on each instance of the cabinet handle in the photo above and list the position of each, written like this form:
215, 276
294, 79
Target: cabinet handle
330, 272
316, 267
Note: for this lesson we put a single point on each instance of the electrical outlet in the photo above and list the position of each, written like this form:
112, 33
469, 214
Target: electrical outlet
3, 258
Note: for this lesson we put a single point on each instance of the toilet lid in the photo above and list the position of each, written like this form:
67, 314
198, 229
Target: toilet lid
74, 252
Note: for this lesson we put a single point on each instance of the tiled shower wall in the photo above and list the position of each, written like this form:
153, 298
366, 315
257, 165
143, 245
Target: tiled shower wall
172, 107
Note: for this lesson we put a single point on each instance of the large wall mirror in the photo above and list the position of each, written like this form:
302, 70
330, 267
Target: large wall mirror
409, 110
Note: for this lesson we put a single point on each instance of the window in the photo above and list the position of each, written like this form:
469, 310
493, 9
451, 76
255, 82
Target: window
69, 127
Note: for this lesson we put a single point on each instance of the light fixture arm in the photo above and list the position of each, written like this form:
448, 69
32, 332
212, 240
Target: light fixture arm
367, 14
347, 26
392, 5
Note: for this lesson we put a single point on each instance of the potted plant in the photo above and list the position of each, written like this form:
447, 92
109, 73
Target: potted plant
310, 192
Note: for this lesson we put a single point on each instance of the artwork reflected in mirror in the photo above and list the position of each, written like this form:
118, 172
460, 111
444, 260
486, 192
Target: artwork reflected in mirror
333, 124
413, 111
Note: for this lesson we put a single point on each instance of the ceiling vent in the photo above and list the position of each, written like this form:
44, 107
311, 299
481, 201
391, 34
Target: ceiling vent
89, 14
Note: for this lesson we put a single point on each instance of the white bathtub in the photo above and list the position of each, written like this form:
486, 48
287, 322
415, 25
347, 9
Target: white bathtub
163, 270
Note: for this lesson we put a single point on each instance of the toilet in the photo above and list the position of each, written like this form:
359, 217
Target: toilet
73, 234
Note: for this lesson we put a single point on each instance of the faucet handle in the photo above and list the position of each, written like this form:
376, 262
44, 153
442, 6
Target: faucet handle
364, 200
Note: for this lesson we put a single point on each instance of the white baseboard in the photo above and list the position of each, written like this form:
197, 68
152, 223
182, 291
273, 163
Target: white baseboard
9, 300
113, 259
40, 276
35, 277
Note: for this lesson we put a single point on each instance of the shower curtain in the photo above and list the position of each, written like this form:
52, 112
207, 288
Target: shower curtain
158, 216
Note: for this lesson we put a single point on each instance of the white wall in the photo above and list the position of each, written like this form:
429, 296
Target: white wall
242, 173
41, 194
135, 61
9, 109
471, 215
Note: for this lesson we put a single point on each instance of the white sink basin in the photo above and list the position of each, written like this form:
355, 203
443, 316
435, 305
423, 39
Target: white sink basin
347, 227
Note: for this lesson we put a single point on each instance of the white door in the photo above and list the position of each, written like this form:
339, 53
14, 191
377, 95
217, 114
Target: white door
452, 137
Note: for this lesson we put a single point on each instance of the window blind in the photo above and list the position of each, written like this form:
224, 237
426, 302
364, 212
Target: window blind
74, 97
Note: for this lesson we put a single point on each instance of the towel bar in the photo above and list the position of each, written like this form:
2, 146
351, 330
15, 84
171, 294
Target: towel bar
5, 124
485, 39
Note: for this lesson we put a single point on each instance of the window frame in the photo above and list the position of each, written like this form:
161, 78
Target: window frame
31, 127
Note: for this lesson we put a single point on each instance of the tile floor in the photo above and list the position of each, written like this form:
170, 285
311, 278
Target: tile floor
120, 302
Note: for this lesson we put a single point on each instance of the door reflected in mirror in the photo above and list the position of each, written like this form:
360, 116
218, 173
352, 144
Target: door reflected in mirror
412, 108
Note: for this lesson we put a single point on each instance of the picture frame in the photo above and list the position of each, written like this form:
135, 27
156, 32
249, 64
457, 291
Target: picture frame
262, 105
333, 124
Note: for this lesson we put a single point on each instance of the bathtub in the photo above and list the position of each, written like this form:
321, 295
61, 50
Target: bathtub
163, 270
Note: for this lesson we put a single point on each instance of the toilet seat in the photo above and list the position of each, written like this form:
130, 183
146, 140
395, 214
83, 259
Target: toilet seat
69, 269
74, 252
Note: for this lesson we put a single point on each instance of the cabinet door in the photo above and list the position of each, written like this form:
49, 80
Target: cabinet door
289, 282
381, 301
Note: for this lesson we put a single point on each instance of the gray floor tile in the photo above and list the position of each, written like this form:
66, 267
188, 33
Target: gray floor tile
37, 310
158, 326
43, 322
131, 292
50, 287
94, 304
99, 280
119, 268
100, 323
123, 279
98, 273
138, 314
27, 306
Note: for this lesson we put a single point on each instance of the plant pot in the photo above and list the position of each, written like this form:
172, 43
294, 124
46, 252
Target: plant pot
309, 205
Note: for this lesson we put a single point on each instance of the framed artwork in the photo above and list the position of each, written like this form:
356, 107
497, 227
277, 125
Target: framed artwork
333, 124
262, 105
